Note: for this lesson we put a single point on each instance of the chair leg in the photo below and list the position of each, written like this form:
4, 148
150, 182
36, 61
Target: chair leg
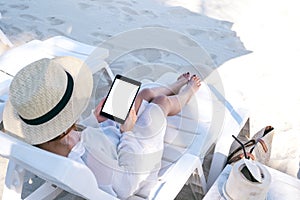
221, 153
10, 194
202, 179
217, 165
13, 181
198, 178
45, 192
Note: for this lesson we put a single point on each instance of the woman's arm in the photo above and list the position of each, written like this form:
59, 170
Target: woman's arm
94, 118
97, 111
129, 122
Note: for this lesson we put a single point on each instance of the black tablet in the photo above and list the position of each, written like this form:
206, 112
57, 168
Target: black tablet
120, 98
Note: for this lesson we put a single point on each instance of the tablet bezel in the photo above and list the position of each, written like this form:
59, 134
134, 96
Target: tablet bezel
128, 80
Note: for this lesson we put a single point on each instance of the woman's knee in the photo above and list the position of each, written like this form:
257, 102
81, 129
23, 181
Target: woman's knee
163, 101
169, 104
146, 94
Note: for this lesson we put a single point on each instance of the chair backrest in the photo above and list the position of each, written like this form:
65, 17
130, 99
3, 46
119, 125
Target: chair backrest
16, 58
60, 171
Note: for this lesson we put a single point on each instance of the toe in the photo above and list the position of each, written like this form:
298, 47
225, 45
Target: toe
187, 75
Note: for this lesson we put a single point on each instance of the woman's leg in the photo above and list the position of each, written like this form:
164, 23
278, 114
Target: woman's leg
148, 94
171, 105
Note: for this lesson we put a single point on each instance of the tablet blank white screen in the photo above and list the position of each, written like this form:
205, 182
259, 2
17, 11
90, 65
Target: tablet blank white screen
120, 98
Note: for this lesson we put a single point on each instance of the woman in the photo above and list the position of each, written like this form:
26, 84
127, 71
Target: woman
46, 100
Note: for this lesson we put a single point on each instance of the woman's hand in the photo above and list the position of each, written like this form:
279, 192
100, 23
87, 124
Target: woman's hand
97, 111
129, 122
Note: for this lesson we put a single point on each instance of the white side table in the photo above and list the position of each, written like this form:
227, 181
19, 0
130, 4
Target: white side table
283, 186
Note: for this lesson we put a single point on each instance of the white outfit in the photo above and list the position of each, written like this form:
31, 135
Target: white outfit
128, 163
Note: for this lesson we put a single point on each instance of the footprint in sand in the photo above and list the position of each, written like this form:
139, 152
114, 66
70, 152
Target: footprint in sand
195, 32
97, 42
148, 55
30, 17
210, 34
113, 9
35, 32
55, 21
100, 35
56, 32
2, 13
124, 3
148, 13
15, 30
19, 6
213, 56
129, 11
140, 71
226, 24
186, 41
84, 6
126, 18
179, 12
106, 1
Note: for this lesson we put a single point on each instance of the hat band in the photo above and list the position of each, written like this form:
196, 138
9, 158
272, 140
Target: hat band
59, 107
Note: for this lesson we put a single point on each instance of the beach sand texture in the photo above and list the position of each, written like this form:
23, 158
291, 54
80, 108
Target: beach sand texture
254, 42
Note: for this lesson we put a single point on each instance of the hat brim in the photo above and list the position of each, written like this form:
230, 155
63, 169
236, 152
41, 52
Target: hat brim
37, 134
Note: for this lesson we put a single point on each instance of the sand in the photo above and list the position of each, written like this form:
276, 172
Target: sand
254, 44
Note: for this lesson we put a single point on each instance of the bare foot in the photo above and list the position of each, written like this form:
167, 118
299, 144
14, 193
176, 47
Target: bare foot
192, 86
194, 83
181, 81
184, 77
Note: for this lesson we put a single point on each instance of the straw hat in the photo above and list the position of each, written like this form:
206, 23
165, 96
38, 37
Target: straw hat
46, 98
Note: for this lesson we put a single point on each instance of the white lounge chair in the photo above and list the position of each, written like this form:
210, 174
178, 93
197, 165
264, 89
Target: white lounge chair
189, 135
